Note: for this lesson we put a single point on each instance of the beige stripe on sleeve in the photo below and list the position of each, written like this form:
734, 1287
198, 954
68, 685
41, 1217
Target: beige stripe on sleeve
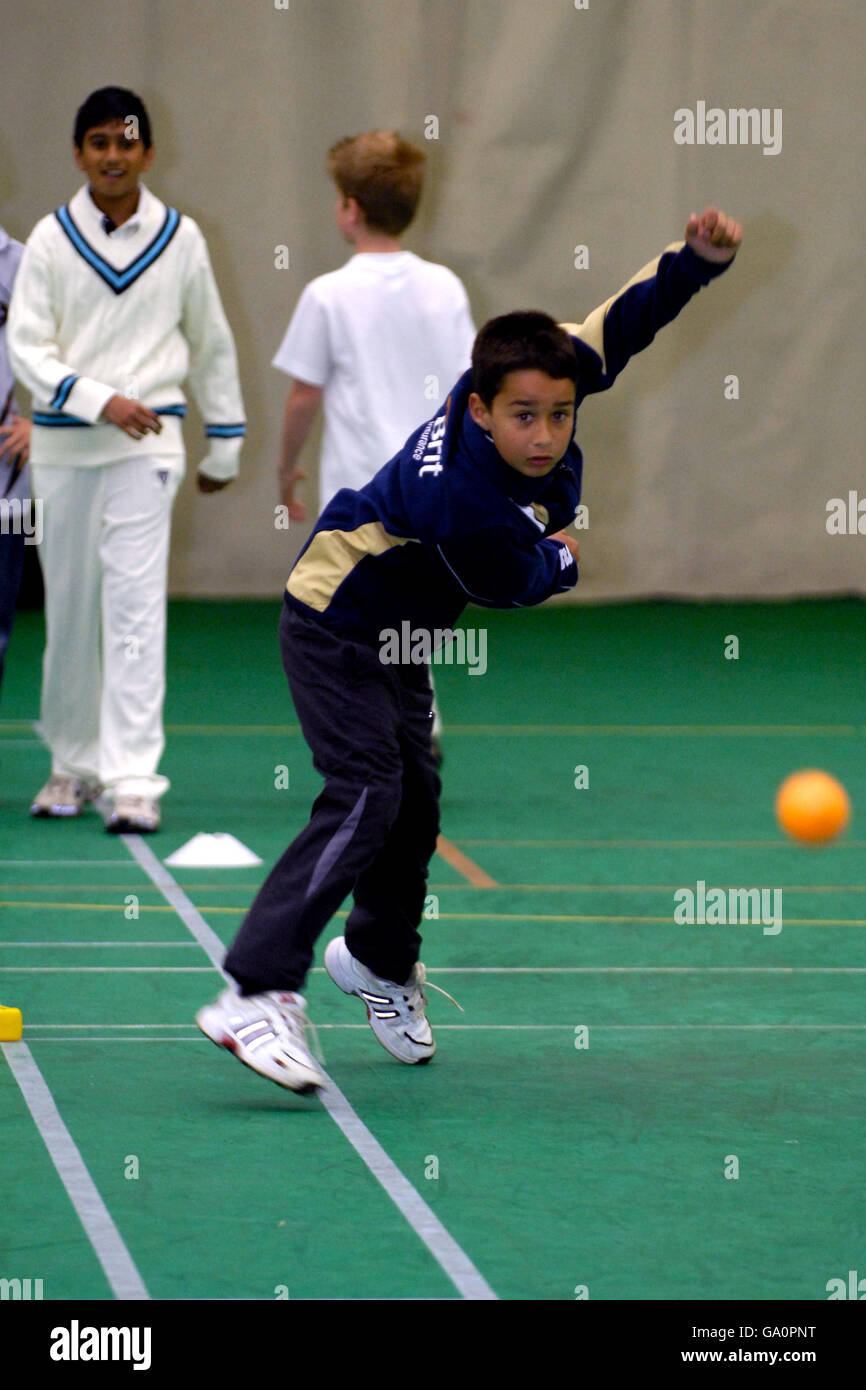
591, 331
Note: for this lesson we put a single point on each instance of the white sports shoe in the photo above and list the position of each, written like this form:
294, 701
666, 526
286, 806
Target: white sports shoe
265, 1032
133, 815
395, 1012
62, 795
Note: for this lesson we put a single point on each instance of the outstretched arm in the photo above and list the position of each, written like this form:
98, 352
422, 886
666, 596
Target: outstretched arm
630, 319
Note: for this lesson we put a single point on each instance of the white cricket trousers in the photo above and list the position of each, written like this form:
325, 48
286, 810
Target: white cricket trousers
104, 557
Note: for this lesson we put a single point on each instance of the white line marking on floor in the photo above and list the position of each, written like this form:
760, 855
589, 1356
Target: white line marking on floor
116, 1261
633, 1027
450, 1257
479, 1028
645, 970
469, 969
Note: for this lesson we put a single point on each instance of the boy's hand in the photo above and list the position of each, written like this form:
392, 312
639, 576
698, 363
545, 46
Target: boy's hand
206, 484
565, 539
131, 416
714, 236
15, 444
288, 481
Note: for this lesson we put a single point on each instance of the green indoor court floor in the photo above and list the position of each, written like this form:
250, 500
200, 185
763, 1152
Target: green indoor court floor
628, 1107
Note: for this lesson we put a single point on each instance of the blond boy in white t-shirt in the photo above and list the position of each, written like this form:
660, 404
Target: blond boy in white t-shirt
380, 341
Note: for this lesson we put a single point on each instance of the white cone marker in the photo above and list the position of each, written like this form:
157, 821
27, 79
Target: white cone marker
218, 851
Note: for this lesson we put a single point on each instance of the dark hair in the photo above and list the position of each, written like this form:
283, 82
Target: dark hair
111, 104
514, 342
383, 173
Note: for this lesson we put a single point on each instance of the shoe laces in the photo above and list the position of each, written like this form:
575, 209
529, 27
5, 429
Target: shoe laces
295, 1018
62, 781
419, 983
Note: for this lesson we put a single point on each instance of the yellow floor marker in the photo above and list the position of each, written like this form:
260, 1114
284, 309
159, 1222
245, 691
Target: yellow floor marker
10, 1024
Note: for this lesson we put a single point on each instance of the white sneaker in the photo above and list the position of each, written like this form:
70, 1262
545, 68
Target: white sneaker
133, 815
265, 1032
62, 795
395, 1012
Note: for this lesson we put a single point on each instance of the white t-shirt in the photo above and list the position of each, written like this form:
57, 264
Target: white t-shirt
386, 336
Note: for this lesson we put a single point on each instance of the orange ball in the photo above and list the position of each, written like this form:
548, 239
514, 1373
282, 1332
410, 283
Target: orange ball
812, 807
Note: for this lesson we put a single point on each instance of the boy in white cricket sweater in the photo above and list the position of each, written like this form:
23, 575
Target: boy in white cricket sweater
115, 305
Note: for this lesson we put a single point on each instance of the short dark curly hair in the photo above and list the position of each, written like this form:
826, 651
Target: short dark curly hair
526, 338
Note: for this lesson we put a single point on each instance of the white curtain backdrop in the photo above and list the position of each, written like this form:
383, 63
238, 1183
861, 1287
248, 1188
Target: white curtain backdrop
555, 128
